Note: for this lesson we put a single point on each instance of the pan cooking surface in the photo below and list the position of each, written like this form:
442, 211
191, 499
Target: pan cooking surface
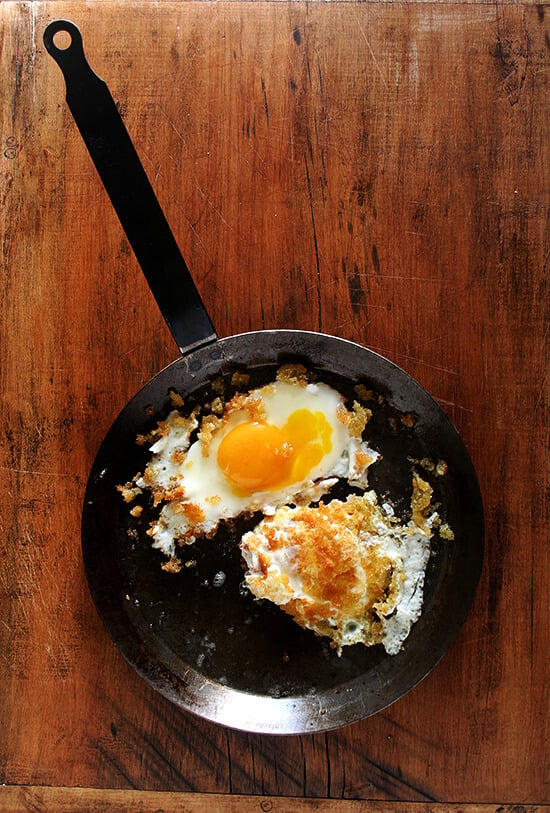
199, 635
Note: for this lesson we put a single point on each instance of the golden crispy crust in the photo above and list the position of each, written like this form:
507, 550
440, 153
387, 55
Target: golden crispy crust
341, 576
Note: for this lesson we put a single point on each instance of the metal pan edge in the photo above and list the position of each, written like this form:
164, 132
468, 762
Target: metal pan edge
182, 683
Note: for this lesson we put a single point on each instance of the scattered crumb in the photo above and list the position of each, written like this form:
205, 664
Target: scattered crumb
178, 455
176, 398
173, 565
240, 380
217, 406
129, 491
441, 468
363, 393
294, 374
421, 502
446, 532
408, 419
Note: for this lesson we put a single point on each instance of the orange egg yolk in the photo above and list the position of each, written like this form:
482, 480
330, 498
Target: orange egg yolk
259, 456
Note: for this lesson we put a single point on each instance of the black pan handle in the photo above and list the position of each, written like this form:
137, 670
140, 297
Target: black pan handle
131, 194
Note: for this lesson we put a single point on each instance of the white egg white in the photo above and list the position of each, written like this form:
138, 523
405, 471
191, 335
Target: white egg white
177, 463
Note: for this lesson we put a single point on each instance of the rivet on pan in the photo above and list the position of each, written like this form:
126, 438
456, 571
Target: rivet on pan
195, 365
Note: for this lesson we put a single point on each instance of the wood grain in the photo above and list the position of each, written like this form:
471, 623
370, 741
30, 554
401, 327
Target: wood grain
73, 800
376, 171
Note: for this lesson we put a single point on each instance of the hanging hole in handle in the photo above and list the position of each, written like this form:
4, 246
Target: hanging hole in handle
62, 40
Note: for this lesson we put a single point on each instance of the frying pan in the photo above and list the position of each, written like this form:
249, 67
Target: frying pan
198, 637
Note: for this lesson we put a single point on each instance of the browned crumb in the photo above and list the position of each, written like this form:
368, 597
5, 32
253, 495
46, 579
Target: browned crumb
240, 380
172, 566
175, 493
149, 477
294, 374
363, 393
236, 403
217, 406
355, 420
176, 398
343, 415
446, 532
218, 386
178, 455
361, 416
150, 437
421, 500
426, 464
181, 420
158, 496
252, 403
192, 511
441, 468
129, 491
136, 511
256, 409
362, 459
209, 425
408, 419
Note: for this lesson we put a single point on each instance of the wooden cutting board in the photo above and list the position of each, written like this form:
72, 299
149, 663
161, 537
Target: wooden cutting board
378, 171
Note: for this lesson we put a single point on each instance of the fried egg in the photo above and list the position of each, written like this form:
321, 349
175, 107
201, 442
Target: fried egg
346, 570
285, 443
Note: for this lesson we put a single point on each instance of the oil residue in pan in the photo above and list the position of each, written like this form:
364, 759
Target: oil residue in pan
207, 619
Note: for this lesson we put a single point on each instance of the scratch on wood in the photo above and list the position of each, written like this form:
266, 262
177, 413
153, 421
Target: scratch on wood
362, 32
454, 405
172, 125
428, 364
315, 244
512, 50
16, 81
14, 470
